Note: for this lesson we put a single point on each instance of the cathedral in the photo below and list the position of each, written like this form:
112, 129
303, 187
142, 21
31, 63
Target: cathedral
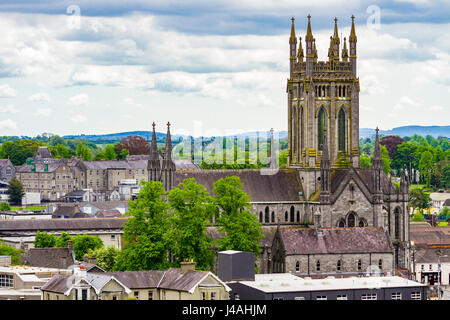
323, 213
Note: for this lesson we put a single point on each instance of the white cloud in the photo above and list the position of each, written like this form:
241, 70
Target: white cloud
405, 102
8, 124
78, 118
8, 109
435, 108
44, 112
78, 100
6, 91
39, 97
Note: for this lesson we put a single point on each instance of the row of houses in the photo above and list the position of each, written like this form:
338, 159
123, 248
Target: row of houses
235, 280
74, 179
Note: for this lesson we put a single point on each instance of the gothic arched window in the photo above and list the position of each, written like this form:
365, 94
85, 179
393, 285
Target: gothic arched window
339, 265
351, 220
341, 223
297, 266
260, 217
397, 223
298, 216
321, 127
285, 216
302, 143
292, 213
266, 215
362, 223
318, 265
341, 130
273, 216
359, 264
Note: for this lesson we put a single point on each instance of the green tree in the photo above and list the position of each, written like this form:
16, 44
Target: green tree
62, 240
419, 199
15, 191
239, 227
83, 152
16, 254
445, 177
18, 151
192, 209
44, 240
405, 158
385, 159
82, 243
109, 152
417, 217
61, 151
365, 161
4, 206
426, 165
146, 232
105, 257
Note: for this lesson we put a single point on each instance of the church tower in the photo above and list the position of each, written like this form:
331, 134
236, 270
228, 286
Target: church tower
323, 99
154, 164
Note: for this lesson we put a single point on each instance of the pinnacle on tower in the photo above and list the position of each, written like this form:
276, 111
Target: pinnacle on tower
377, 163
168, 148
309, 36
352, 37
300, 51
154, 146
345, 51
292, 38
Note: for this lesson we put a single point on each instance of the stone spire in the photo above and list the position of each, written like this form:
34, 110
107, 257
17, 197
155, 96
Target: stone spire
352, 37
300, 51
345, 51
292, 48
168, 166
352, 45
309, 36
336, 41
273, 157
377, 165
309, 39
154, 165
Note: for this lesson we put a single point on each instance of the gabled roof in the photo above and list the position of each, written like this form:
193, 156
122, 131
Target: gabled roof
171, 279
61, 224
284, 185
69, 211
335, 240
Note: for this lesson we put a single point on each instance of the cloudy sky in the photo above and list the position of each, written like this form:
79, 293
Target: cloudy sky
208, 67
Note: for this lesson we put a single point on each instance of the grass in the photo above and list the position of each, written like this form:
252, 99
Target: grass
34, 208
443, 224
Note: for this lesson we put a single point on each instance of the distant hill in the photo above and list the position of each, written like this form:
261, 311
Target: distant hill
408, 131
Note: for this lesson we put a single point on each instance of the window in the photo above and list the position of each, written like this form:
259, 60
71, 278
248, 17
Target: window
430, 267
341, 297
298, 216
341, 223
273, 216
114, 298
136, 294
286, 216
417, 295
396, 296
380, 264
150, 295
297, 266
351, 220
292, 213
321, 298
341, 130
203, 295
423, 267
6, 280
359, 264
321, 127
48, 296
266, 215
362, 223
8, 171
113, 237
397, 223
260, 217
369, 296
75, 293
237, 296
339, 265
318, 265
299, 298
213, 296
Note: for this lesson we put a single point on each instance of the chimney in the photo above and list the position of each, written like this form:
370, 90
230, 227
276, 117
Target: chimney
69, 245
187, 265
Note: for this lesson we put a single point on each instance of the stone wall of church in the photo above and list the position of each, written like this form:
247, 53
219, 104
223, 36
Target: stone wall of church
302, 213
349, 263
349, 201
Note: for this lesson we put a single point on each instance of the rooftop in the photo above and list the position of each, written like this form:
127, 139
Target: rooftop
286, 282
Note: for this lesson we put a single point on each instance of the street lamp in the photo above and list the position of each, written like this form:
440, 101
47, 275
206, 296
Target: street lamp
439, 275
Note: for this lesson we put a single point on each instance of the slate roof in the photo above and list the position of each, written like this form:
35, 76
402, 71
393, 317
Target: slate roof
58, 283
282, 186
59, 258
61, 224
52, 166
44, 152
69, 211
426, 234
172, 279
335, 240
425, 254
4, 162
115, 164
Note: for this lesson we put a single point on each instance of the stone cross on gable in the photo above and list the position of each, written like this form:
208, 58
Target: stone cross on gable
168, 124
